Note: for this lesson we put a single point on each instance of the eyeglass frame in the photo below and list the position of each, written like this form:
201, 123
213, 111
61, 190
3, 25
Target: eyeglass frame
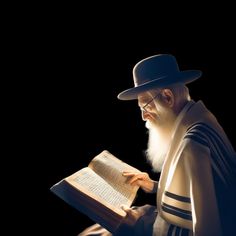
143, 108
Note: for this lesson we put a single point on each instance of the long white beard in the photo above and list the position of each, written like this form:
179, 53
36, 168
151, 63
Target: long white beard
158, 146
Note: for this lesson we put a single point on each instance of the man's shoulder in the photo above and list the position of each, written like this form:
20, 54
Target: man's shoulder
200, 133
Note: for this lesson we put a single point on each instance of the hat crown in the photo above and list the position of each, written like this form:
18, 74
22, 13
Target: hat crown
154, 67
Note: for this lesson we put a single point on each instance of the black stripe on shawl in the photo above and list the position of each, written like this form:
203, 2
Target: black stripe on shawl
177, 197
187, 215
170, 230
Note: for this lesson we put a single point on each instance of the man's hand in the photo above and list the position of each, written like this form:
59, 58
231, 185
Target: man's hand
134, 213
140, 179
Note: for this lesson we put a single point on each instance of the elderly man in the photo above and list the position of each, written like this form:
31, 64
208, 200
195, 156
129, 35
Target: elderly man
196, 190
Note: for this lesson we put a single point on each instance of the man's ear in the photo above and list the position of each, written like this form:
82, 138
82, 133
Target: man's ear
168, 97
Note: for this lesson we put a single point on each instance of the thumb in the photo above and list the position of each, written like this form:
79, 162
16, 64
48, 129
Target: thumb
125, 208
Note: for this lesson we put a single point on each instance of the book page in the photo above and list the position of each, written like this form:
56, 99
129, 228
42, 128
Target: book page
110, 169
90, 183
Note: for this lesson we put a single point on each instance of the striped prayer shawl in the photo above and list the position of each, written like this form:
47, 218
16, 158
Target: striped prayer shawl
177, 231
187, 215
223, 158
184, 214
223, 162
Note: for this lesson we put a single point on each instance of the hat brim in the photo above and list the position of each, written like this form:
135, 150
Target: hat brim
182, 77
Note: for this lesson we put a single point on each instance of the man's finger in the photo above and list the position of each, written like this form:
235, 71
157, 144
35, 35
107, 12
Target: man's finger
127, 174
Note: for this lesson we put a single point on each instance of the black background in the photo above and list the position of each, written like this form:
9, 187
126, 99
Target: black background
78, 65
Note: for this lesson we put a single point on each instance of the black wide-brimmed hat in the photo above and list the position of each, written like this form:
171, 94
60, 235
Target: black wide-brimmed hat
157, 71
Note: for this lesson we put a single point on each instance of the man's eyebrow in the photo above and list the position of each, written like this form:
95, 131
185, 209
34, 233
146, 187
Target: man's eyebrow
143, 97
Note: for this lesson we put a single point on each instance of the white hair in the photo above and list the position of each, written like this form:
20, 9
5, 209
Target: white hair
160, 131
158, 146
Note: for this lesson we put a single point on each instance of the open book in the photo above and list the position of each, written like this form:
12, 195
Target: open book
99, 190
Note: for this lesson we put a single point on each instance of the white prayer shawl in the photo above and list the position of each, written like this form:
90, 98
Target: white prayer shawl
200, 162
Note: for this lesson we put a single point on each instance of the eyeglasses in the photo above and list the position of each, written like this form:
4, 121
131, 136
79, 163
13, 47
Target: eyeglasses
147, 107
